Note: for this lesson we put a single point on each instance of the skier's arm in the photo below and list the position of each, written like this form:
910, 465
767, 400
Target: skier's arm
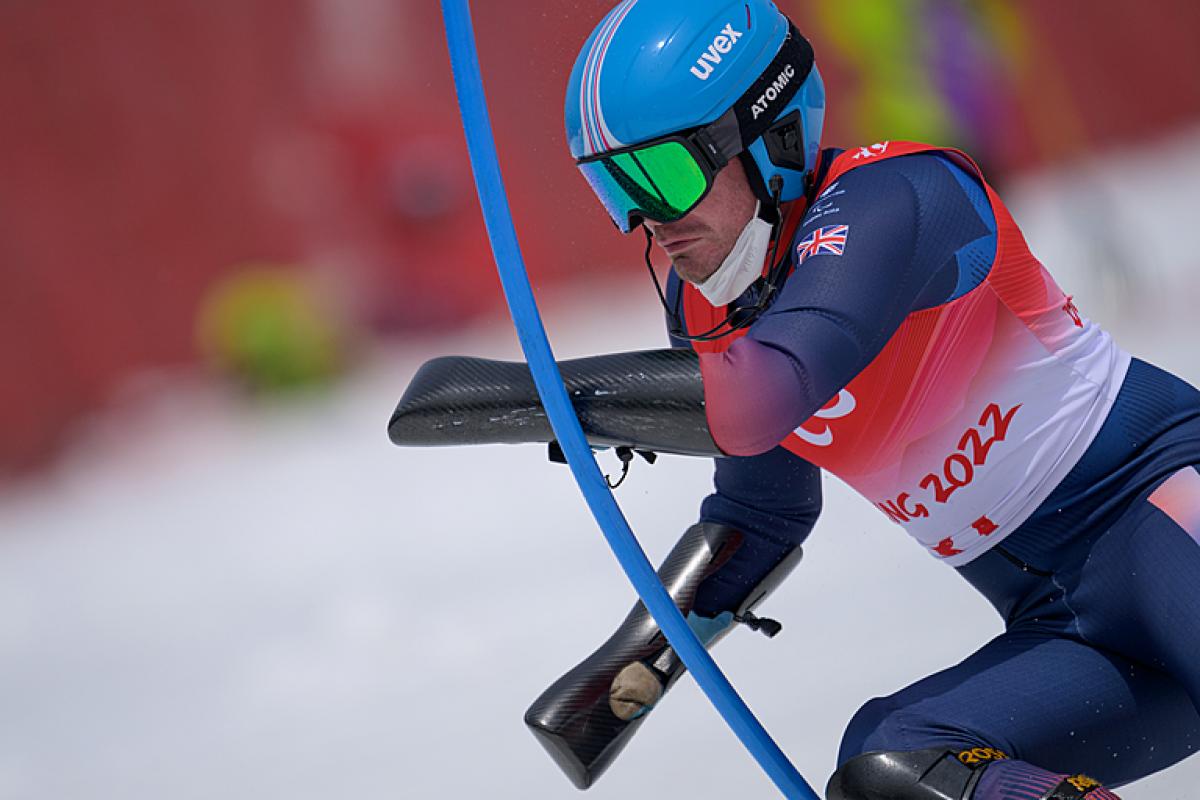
774, 499
907, 220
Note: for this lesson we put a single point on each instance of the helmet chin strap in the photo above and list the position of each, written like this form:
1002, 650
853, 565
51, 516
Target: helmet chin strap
766, 286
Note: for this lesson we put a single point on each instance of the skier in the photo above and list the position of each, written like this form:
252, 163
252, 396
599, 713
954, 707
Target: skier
877, 313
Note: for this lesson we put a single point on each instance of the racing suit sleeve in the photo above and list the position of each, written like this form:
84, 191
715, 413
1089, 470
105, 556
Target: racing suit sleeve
774, 499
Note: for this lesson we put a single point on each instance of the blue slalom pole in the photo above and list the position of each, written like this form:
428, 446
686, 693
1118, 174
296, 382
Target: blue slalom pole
532, 334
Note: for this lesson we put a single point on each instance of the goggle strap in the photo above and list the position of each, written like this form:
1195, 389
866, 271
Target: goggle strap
758, 108
721, 141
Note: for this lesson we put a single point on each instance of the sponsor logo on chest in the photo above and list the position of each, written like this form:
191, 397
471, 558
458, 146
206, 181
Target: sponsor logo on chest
722, 43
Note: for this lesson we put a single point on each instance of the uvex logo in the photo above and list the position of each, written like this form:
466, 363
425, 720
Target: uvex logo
721, 45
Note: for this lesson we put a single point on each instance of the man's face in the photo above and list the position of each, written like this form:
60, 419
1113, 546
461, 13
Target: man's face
699, 242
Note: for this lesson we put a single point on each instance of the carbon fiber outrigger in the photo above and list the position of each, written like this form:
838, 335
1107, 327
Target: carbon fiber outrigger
649, 400
574, 719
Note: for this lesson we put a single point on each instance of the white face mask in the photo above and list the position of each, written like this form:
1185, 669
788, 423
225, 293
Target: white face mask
742, 267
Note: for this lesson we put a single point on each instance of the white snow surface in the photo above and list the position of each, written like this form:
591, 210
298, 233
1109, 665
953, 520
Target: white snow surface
216, 600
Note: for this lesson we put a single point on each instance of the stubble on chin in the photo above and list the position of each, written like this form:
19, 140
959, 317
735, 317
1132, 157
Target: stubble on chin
687, 269
696, 268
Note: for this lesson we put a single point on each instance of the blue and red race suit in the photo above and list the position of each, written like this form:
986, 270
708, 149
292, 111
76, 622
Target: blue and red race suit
920, 352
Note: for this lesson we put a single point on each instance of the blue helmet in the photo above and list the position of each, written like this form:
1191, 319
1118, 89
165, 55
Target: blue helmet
654, 68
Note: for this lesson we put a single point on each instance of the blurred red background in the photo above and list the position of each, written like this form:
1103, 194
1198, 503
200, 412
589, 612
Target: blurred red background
151, 149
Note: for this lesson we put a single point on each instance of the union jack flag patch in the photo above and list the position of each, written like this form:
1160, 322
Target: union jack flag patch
830, 240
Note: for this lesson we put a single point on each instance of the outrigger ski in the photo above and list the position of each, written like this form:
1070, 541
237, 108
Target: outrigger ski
580, 719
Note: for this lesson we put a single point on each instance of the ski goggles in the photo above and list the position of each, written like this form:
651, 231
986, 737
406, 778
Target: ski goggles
665, 178
662, 180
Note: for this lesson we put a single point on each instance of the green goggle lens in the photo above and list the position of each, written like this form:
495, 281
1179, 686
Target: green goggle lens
661, 181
